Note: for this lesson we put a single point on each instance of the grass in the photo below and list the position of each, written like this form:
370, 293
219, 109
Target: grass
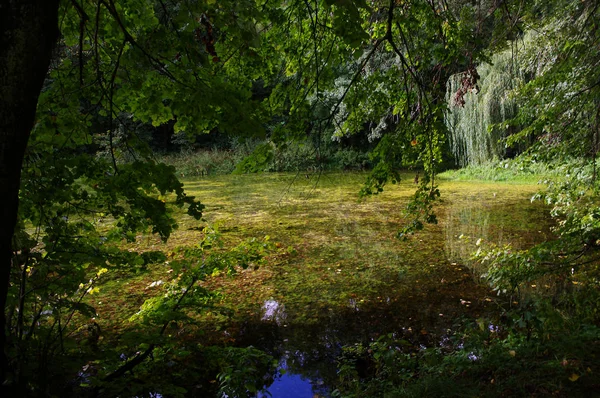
520, 171
524, 170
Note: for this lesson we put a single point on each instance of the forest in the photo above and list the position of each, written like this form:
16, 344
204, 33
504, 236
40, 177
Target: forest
299, 198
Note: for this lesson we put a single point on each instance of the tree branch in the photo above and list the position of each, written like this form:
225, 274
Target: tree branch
138, 359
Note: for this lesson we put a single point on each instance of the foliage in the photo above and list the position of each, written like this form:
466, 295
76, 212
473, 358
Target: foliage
90, 183
241, 370
72, 222
521, 169
477, 123
330, 70
261, 157
394, 84
558, 107
53, 318
244, 158
557, 115
420, 207
483, 359
571, 196
203, 163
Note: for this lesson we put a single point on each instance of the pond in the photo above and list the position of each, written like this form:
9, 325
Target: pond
345, 279
338, 276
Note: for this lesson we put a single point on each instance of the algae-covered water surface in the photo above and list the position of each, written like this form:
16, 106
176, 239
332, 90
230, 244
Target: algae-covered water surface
338, 276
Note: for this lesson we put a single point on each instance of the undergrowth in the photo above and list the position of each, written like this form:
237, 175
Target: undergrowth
293, 157
536, 348
484, 359
203, 163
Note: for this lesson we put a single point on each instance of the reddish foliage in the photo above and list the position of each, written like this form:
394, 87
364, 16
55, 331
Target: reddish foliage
468, 83
207, 37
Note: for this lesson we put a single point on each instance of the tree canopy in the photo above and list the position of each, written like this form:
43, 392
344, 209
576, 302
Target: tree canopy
80, 79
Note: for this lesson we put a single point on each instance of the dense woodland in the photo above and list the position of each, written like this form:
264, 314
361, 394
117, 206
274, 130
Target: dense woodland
106, 106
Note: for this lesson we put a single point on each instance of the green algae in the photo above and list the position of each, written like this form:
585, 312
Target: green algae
344, 251
337, 275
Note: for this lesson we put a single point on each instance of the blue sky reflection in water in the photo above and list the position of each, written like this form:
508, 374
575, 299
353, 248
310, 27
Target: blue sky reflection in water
286, 385
290, 386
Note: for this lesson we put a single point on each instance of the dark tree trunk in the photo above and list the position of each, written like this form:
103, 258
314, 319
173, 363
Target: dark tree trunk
28, 33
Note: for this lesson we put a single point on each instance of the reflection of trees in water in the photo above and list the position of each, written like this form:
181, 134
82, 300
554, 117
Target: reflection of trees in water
465, 228
312, 349
476, 223
307, 337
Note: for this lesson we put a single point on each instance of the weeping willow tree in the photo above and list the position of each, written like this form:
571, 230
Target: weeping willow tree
475, 117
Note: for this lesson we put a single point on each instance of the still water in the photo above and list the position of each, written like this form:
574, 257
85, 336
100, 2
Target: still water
351, 281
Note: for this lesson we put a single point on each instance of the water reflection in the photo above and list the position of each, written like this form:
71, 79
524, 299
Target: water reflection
482, 221
287, 384
417, 305
273, 311
352, 303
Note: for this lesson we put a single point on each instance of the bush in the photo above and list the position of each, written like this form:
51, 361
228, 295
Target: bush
258, 156
204, 162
